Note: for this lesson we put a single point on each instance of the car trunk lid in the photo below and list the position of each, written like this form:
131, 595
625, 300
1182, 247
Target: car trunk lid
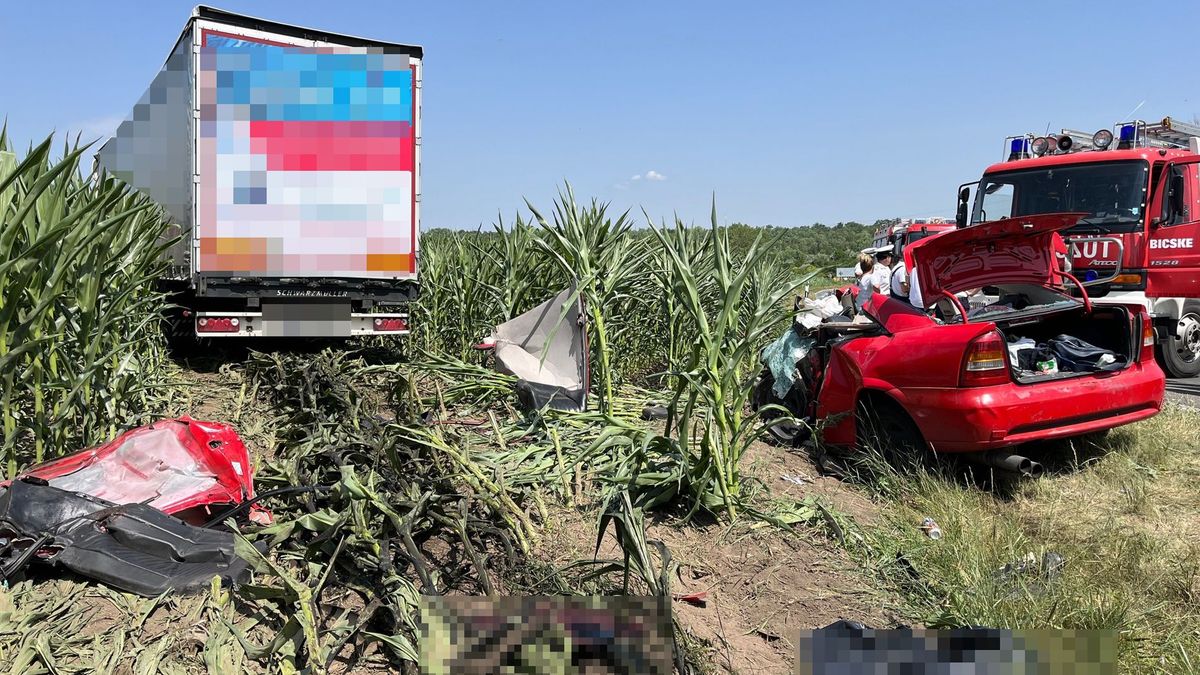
1012, 250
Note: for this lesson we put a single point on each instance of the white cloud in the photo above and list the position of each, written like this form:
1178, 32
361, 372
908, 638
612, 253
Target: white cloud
649, 175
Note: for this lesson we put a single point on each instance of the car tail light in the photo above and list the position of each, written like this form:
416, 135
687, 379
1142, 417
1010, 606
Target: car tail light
986, 362
1147, 339
218, 324
389, 325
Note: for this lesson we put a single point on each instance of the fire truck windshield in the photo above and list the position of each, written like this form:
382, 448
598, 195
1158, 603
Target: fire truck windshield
1113, 193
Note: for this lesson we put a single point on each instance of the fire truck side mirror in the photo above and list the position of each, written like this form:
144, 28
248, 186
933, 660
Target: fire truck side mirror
960, 218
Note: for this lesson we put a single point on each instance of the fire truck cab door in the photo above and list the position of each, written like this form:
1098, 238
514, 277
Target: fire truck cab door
1173, 241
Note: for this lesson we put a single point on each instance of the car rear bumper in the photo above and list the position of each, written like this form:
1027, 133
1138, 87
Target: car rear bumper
983, 418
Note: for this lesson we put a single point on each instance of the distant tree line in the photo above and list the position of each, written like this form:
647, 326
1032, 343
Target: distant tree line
804, 247
816, 245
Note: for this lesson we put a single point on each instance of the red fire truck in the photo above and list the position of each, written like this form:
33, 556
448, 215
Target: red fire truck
907, 230
1139, 185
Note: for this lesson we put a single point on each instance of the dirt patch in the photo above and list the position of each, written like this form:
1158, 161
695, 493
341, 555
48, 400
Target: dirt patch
763, 587
216, 396
791, 474
102, 614
760, 585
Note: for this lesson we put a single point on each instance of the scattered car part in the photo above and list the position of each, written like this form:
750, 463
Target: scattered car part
1048, 568
182, 467
546, 350
698, 599
931, 529
1029, 574
132, 547
654, 412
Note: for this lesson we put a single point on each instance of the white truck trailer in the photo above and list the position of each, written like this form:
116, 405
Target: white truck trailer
289, 161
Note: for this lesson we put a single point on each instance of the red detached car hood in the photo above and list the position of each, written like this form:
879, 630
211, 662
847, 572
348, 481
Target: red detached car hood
1014, 251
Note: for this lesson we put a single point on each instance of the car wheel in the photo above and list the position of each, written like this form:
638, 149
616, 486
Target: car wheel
883, 426
1179, 353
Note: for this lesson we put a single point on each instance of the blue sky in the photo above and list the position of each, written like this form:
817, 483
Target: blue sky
790, 112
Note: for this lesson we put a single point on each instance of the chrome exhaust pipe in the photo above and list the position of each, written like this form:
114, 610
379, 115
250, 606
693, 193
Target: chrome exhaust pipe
1007, 461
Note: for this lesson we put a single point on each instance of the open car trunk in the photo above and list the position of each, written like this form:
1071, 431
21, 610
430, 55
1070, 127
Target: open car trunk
1068, 344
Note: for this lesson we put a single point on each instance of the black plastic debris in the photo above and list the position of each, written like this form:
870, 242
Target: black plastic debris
131, 547
654, 412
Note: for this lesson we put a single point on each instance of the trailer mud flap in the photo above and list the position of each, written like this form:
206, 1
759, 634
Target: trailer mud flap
305, 319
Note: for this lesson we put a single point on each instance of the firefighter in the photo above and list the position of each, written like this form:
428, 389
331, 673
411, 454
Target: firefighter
900, 283
883, 269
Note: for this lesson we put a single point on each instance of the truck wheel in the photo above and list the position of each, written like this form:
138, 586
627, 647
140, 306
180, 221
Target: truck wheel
884, 426
1179, 353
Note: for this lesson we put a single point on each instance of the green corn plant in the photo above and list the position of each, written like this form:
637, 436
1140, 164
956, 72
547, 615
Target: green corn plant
79, 346
451, 310
712, 382
520, 278
608, 267
696, 248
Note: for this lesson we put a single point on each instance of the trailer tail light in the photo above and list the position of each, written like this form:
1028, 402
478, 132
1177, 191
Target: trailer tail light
986, 362
389, 325
218, 324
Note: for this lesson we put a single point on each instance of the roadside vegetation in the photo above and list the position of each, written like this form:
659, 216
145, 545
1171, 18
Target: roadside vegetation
1109, 539
417, 476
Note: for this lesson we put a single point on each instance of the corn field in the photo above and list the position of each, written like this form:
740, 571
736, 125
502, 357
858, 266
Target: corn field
79, 338
414, 474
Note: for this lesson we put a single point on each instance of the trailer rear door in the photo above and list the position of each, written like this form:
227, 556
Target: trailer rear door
306, 156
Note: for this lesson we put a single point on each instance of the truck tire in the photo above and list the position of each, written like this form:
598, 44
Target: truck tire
1179, 351
883, 426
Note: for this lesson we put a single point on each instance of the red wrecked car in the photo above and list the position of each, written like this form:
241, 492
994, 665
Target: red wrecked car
1025, 359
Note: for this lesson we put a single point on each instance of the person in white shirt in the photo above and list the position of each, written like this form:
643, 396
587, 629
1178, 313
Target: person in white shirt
866, 281
883, 269
900, 283
914, 290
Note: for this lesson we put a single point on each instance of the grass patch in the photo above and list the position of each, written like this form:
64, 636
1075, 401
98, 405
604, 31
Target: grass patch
1111, 540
